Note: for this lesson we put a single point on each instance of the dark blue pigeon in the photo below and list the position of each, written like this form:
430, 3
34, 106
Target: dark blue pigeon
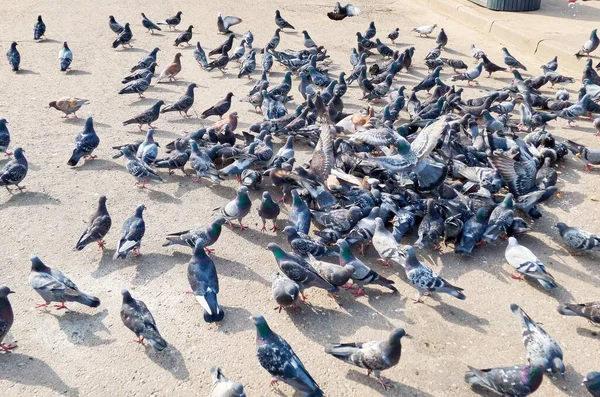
6, 318
472, 232
138, 86
268, 209
39, 29
184, 103
148, 24
133, 231
4, 137
124, 38
13, 57
204, 282
14, 171
592, 383
299, 216
146, 117
85, 143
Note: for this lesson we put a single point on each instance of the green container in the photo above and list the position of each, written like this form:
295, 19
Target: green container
509, 5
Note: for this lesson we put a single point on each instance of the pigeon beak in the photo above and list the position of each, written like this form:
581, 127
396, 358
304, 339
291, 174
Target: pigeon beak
578, 155
11, 292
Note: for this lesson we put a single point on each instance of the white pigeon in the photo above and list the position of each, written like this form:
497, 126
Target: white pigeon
477, 53
385, 244
424, 30
525, 262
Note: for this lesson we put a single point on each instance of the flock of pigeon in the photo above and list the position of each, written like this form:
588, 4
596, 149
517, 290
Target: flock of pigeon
447, 168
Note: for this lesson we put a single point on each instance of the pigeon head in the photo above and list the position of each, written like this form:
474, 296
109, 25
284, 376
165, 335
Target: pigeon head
396, 335
561, 226
504, 49
592, 381
127, 153
5, 291
229, 95
102, 201
3, 123
409, 252
199, 249
512, 241
143, 15
557, 365
290, 230
266, 196
192, 86
242, 192
111, 19
220, 221
126, 296
140, 210
159, 103
18, 153
65, 45
262, 328
89, 124
189, 29
37, 265
277, 251
13, 45
179, 13
178, 56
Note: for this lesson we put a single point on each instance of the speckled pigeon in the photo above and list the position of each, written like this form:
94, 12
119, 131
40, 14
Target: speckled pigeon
223, 386
589, 310
303, 245
4, 138
14, 171
285, 292
140, 170
526, 263
578, 240
136, 316
517, 380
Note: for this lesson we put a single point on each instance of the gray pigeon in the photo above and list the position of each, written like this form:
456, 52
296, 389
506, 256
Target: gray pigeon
363, 274
140, 170
147, 61
517, 380
141, 73
299, 215
54, 286
224, 387
138, 86
237, 208
277, 357
268, 209
336, 275
173, 21
65, 57
426, 280
304, 245
134, 229
374, 356
511, 61
341, 220
114, 25
203, 165
208, 235
285, 291
385, 244
184, 37
300, 271
147, 151
176, 160
591, 157
14, 171
200, 55
431, 227
525, 262
500, 220
578, 240
147, 117
4, 137
122, 39
225, 22
204, 283
148, 24
85, 143
589, 310
6, 318
540, 346
136, 316
589, 46
99, 225
184, 103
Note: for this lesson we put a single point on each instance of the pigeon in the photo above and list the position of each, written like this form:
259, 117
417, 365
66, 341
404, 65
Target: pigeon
303, 245
14, 171
477, 53
148, 149
136, 316
200, 55
424, 30
385, 244
225, 22
202, 164
442, 38
472, 232
592, 383
114, 25
184, 103
540, 346
85, 143
68, 105
589, 46
133, 231
99, 226
518, 380
184, 37
138, 86
147, 117
208, 235
65, 58
525, 262
239, 53
336, 275
425, 279
308, 41
277, 357
362, 274
227, 45
13, 57
204, 282
237, 208
224, 387
172, 69
219, 108
54, 286
6, 318
282, 23
146, 61
470, 75
285, 291
500, 220
578, 240
4, 137
39, 29
139, 169
268, 209
124, 38
173, 21
341, 220
393, 36
148, 24
374, 356
590, 310
176, 160
340, 12
431, 227
140, 73
248, 65
553, 64
591, 157
455, 63
511, 61
252, 179
219, 63
299, 270
490, 66
299, 215
249, 37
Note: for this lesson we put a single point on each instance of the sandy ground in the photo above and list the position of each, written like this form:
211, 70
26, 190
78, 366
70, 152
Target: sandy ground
89, 352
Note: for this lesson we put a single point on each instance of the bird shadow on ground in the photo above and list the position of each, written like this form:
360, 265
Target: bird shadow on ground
107, 265
169, 359
162, 87
251, 235
81, 121
129, 49
99, 164
160, 197
26, 71
48, 41
80, 328
234, 326
28, 198
460, 317
397, 389
571, 381
386, 300
28, 370
195, 121
77, 72
237, 270
145, 101
454, 52
154, 265
185, 185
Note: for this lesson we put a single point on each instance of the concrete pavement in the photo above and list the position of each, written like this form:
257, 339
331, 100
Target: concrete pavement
555, 29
